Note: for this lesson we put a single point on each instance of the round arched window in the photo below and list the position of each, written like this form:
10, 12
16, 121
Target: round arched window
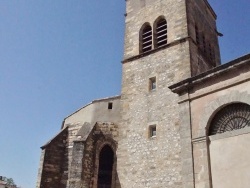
232, 117
146, 38
161, 36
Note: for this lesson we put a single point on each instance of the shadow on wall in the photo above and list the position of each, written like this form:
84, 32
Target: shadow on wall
99, 159
54, 157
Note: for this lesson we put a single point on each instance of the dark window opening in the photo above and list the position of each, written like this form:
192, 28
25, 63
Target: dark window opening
152, 83
161, 33
211, 55
106, 160
197, 35
152, 131
204, 44
110, 105
210, 51
146, 40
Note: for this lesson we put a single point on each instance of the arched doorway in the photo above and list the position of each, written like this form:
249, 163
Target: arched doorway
229, 134
106, 161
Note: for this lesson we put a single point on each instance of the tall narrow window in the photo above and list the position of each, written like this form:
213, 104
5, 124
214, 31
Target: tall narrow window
161, 33
211, 55
204, 44
146, 39
210, 51
197, 35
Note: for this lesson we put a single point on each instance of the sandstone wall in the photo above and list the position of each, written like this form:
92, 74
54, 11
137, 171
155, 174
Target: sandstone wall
229, 156
53, 161
84, 166
201, 98
96, 111
144, 161
92, 113
139, 12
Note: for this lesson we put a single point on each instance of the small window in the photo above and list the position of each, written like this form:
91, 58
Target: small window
152, 83
146, 39
110, 105
161, 33
152, 131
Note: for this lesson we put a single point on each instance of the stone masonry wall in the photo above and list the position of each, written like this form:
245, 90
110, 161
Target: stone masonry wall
206, 99
88, 114
72, 129
139, 13
85, 158
145, 162
199, 101
104, 134
40, 170
53, 162
204, 56
75, 179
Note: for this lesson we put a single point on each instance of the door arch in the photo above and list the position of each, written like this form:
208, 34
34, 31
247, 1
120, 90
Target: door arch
105, 171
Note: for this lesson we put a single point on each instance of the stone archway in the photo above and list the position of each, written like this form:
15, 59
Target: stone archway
105, 171
100, 160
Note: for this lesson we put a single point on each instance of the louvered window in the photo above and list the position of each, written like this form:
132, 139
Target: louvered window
161, 33
146, 40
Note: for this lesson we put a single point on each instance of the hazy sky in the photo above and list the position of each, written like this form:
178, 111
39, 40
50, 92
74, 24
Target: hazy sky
56, 56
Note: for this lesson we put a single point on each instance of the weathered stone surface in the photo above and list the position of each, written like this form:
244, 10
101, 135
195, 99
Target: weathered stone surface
53, 161
178, 155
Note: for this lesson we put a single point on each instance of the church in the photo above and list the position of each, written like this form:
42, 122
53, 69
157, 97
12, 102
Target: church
182, 119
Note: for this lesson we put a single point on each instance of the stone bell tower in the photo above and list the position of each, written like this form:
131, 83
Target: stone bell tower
166, 41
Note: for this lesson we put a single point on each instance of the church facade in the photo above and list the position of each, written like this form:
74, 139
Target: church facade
182, 119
